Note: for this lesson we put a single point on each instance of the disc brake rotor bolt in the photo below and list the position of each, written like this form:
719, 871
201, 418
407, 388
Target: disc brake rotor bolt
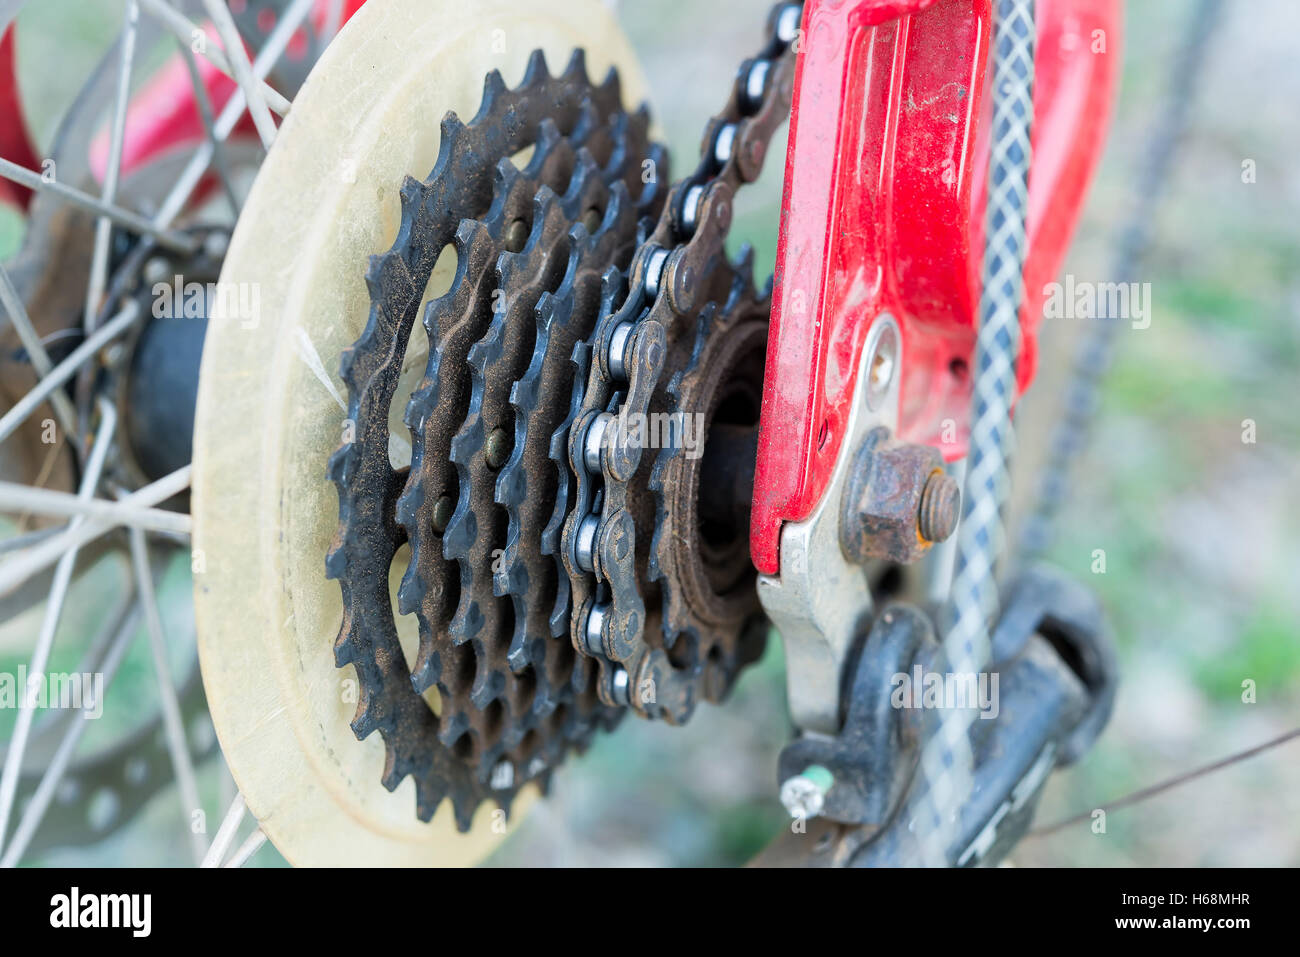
804, 795
940, 507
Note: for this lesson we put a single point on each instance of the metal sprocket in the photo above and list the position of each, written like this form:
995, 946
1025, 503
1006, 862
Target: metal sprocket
532, 635
507, 710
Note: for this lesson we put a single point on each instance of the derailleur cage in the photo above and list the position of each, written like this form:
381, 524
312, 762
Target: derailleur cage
1052, 688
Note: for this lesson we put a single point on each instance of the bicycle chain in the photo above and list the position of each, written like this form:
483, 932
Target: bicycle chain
647, 325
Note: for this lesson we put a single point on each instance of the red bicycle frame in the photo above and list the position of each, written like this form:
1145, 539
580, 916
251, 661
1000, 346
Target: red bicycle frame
883, 212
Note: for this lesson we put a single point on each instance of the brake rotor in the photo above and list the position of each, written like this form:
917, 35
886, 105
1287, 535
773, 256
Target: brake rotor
271, 412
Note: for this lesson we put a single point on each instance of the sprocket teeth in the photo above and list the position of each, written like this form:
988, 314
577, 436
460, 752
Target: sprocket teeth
612, 85
536, 73
365, 722
452, 726
489, 679
464, 809
575, 71
345, 645
494, 85
495, 690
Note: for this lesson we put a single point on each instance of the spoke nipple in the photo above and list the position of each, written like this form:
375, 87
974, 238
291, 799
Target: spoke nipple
216, 244
157, 270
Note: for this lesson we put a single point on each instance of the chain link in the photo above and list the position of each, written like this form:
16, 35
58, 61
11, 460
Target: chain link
648, 321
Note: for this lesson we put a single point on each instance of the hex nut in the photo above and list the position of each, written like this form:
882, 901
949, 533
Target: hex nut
883, 501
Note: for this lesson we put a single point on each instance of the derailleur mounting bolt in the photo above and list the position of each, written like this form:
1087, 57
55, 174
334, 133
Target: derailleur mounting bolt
940, 507
804, 795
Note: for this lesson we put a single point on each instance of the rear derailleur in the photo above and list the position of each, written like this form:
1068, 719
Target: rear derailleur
855, 795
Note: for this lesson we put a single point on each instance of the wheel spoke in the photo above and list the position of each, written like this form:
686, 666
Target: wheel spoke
186, 30
104, 227
89, 516
238, 57
34, 813
333, 21
252, 844
225, 833
67, 368
276, 42
123, 217
16, 497
25, 564
173, 723
50, 623
27, 539
209, 126
36, 351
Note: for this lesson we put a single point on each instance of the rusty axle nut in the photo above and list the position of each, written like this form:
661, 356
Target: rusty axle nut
897, 502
